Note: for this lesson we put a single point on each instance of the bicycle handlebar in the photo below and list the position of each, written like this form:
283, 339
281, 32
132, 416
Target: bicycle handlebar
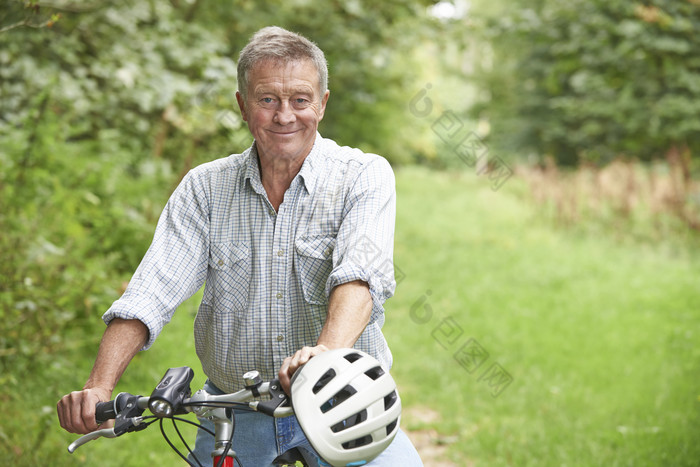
105, 411
172, 397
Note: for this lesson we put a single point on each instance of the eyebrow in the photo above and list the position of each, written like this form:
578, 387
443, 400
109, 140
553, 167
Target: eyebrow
262, 90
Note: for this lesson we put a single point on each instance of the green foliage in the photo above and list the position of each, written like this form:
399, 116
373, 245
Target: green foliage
135, 68
162, 74
69, 238
592, 80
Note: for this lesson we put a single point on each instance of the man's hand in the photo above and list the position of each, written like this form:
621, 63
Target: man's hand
292, 364
76, 411
120, 342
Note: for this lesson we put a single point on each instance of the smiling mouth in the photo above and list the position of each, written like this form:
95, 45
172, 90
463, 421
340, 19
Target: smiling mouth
284, 133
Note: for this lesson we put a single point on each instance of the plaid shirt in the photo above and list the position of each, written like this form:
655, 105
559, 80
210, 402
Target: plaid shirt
267, 274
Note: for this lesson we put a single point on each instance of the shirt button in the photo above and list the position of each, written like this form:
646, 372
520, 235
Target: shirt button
327, 252
279, 295
280, 338
280, 252
221, 262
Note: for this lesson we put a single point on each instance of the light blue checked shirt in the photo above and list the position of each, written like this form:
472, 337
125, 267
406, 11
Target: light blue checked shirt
267, 274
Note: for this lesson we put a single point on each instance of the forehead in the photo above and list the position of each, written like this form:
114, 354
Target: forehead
278, 75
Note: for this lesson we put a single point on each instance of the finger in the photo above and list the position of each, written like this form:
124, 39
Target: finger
63, 414
283, 371
76, 408
284, 375
294, 364
89, 401
307, 354
69, 413
303, 356
76, 405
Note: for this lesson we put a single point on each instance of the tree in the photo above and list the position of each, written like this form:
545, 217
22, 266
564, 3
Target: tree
592, 80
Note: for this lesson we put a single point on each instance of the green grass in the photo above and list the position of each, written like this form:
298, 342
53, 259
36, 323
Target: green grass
599, 337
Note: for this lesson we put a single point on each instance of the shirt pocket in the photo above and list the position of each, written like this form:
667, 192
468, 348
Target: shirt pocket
314, 263
228, 279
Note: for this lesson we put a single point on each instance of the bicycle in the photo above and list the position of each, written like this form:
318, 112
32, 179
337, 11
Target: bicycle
347, 405
172, 396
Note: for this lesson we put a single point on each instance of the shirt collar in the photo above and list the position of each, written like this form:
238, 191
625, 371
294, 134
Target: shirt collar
310, 170
252, 173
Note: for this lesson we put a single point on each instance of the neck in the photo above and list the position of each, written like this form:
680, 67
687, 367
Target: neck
277, 175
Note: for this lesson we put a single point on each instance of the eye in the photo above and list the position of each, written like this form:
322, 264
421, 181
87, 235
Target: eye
301, 102
266, 100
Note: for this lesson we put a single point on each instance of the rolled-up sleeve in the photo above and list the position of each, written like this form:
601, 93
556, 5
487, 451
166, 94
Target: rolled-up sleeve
365, 240
174, 266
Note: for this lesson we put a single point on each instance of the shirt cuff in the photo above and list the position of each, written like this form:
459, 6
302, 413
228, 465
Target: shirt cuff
380, 286
140, 308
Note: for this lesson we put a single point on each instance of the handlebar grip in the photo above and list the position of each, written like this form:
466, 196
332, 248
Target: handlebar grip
109, 410
105, 411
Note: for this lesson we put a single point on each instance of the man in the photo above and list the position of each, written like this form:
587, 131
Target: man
293, 239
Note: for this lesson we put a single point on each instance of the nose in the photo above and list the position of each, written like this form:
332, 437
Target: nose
284, 114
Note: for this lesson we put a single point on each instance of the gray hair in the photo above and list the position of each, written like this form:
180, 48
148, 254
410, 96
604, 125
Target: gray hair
280, 45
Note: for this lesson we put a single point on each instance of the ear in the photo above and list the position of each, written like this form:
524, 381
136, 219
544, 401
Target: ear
241, 105
322, 108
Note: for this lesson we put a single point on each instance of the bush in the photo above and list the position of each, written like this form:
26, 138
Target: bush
71, 236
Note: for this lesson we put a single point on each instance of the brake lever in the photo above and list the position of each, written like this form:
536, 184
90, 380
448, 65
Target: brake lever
122, 425
278, 405
103, 433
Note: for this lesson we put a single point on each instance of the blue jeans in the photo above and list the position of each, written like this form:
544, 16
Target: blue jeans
259, 438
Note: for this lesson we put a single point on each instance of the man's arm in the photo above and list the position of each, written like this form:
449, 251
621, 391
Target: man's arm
349, 310
121, 341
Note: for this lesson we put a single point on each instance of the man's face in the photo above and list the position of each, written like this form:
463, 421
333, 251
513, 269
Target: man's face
283, 108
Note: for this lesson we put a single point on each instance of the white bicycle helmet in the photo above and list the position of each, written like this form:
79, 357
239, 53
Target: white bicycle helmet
347, 405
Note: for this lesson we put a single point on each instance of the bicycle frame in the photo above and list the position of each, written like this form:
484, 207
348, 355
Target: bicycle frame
168, 399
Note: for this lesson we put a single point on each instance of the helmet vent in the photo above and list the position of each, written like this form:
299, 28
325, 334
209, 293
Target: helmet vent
340, 397
390, 427
356, 443
351, 421
390, 399
353, 357
323, 380
375, 372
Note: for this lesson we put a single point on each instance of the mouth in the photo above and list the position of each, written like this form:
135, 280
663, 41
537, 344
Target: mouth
284, 133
